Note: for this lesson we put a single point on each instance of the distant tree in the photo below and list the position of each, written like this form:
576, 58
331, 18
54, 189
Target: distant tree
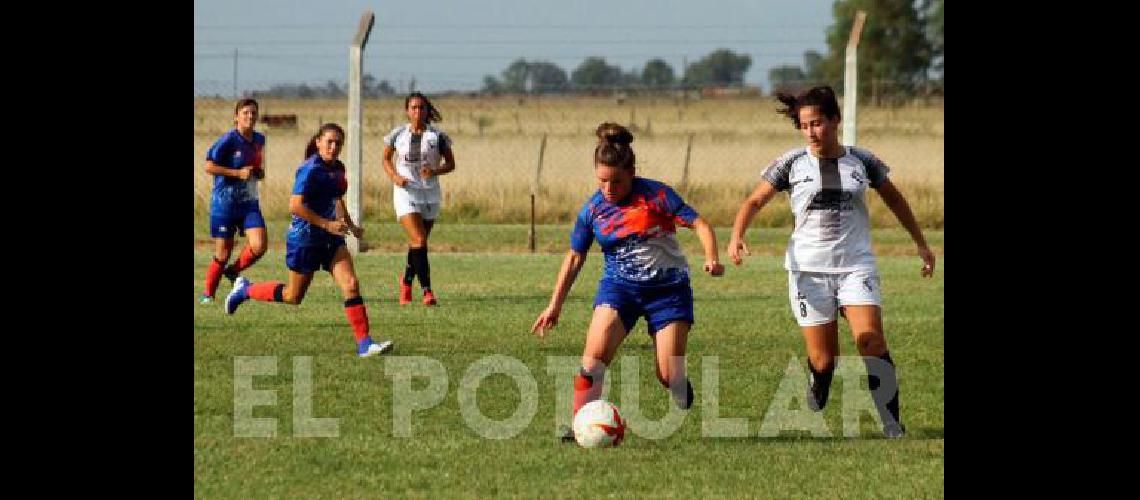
657, 74
787, 78
333, 90
934, 13
491, 85
594, 73
721, 67
894, 52
547, 77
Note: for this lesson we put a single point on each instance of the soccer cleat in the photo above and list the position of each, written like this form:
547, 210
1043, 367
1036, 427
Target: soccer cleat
405, 293
429, 298
369, 348
237, 295
206, 299
566, 434
894, 430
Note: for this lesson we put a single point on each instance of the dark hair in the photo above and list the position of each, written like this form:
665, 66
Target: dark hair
613, 146
821, 96
311, 149
432, 113
245, 102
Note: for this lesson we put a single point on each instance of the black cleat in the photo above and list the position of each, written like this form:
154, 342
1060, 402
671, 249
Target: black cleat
566, 434
894, 431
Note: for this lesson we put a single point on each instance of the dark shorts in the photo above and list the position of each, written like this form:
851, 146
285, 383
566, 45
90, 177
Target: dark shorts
236, 220
308, 259
660, 306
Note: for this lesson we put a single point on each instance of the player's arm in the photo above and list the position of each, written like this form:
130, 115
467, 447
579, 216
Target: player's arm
237, 173
898, 205
760, 196
390, 169
708, 241
342, 214
571, 264
449, 163
297, 207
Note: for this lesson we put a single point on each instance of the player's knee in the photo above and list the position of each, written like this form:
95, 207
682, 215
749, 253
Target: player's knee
351, 287
871, 343
822, 362
419, 241
257, 249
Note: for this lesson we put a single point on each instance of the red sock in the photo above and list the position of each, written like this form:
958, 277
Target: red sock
357, 317
269, 291
586, 388
244, 260
213, 276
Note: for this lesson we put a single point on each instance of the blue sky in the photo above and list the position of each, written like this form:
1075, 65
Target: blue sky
452, 44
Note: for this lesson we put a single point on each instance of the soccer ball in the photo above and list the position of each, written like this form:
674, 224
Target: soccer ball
598, 424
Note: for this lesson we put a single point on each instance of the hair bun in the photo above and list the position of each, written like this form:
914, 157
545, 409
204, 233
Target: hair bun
613, 133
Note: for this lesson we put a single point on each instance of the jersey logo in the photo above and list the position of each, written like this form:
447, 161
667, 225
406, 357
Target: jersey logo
867, 284
805, 179
857, 176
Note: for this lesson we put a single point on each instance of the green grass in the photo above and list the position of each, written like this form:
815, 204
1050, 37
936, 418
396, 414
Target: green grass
488, 302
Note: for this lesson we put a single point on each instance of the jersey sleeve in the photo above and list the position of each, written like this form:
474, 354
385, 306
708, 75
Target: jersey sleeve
877, 171
221, 152
390, 139
583, 234
779, 171
444, 142
681, 211
303, 180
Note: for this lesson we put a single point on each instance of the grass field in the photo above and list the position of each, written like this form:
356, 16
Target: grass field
488, 302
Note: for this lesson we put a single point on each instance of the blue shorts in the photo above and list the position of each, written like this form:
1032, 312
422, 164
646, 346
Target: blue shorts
308, 259
660, 306
236, 220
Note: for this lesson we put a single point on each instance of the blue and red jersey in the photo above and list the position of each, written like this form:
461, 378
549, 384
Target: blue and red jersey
234, 151
637, 234
320, 184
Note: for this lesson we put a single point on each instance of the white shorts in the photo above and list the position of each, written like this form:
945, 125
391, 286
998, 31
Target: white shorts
404, 206
816, 297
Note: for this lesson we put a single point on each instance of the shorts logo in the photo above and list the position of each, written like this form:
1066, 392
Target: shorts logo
222, 228
867, 284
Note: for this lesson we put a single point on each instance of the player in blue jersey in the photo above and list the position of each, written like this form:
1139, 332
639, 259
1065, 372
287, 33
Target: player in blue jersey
633, 220
316, 239
422, 153
832, 269
235, 162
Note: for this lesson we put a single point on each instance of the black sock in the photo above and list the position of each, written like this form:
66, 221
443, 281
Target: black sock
420, 264
409, 271
822, 385
888, 407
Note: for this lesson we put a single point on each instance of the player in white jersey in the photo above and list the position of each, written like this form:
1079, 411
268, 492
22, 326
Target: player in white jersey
419, 149
830, 265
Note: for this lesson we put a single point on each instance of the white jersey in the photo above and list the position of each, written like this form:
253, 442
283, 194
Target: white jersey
414, 151
833, 229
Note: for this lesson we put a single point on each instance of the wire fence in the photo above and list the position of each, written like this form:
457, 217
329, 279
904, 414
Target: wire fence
711, 147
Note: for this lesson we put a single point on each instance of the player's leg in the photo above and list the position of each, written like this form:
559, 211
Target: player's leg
344, 273
413, 225
429, 215
256, 243
222, 231
670, 317
814, 304
860, 297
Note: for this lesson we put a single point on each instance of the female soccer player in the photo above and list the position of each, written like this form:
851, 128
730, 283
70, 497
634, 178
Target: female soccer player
235, 162
419, 147
830, 265
316, 239
646, 274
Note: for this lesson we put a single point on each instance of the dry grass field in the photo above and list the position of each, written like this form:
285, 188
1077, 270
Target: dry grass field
497, 140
